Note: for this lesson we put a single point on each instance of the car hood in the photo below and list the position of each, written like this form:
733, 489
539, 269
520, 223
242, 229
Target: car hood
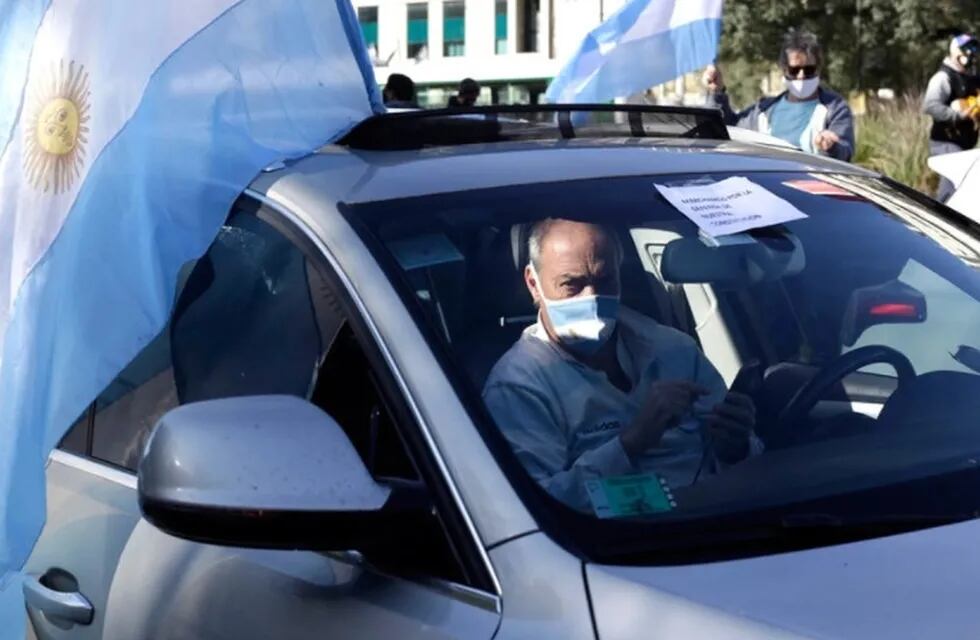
913, 585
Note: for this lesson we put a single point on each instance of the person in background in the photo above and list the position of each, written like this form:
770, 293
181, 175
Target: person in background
466, 95
399, 92
951, 102
806, 115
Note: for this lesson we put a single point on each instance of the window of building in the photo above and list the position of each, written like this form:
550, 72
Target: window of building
368, 18
454, 28
500, 27
528, 15
418, 29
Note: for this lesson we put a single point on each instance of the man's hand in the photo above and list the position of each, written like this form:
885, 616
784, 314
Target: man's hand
712, 79
730, 425
825, 140
666, 402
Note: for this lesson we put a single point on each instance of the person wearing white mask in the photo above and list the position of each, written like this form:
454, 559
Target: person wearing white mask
806, 115
594, 389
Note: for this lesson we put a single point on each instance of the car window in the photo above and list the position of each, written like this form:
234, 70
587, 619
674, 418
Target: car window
254, 316
243, 323
852, 330
76, 439
350, 393
251, 317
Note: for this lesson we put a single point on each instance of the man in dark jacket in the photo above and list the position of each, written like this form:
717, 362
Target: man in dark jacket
954, 119
806, 115
399, 92
467, 95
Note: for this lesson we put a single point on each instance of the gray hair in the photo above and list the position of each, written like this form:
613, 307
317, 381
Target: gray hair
541, 228
799, 40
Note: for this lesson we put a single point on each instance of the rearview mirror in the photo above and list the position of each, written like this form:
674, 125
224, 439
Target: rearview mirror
268, 472
764, 256
891, 303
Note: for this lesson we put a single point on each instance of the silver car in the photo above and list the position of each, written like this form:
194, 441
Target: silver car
304, 451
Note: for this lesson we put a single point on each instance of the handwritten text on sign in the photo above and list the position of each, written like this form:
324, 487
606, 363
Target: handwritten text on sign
731, 206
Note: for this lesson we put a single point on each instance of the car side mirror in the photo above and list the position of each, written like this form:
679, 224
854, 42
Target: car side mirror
266, 471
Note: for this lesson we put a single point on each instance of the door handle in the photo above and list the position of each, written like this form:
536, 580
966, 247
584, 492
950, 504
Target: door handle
56, 595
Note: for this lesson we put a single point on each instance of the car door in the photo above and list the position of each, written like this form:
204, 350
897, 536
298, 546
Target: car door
255, 315
91, 500
91, 512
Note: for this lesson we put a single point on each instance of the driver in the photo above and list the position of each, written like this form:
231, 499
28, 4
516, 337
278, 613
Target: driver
594, 389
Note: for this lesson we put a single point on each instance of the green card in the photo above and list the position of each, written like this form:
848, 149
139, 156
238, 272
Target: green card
629, 496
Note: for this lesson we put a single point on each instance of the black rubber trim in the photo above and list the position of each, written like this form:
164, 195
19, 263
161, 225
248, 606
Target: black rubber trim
588, 599
418, 128
500, 543
949, 214
565, 125
635, 119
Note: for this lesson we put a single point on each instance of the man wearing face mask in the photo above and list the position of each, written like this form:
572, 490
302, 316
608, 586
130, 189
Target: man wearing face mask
806, 115
947, 101
595, 389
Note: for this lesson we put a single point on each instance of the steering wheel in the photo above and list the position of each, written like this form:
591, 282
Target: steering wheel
792, 419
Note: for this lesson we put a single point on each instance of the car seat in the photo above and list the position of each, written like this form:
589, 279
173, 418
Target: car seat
498, 306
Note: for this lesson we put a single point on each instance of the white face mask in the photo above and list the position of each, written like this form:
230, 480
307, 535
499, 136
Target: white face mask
802, 88
584, 323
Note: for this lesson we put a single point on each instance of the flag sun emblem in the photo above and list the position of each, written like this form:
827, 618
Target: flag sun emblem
56, 127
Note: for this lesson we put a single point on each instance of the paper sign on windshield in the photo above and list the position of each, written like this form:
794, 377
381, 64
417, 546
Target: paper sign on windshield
731, 206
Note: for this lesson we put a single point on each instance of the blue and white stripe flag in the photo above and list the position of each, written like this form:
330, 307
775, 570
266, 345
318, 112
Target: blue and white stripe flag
646, 43
127, 130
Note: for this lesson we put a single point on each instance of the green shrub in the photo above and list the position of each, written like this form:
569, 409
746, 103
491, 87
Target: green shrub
893, 139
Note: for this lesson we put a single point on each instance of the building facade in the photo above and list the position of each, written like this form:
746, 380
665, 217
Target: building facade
512, 47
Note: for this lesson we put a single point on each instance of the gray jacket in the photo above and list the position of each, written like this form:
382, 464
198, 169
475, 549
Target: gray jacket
948, 124
832, 114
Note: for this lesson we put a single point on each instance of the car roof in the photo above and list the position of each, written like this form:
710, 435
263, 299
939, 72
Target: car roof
341, 174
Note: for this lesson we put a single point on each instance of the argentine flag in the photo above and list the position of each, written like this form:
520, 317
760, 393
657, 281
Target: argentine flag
127, 130
646, 43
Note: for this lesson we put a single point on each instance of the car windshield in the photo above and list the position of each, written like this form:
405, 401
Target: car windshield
658, 388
